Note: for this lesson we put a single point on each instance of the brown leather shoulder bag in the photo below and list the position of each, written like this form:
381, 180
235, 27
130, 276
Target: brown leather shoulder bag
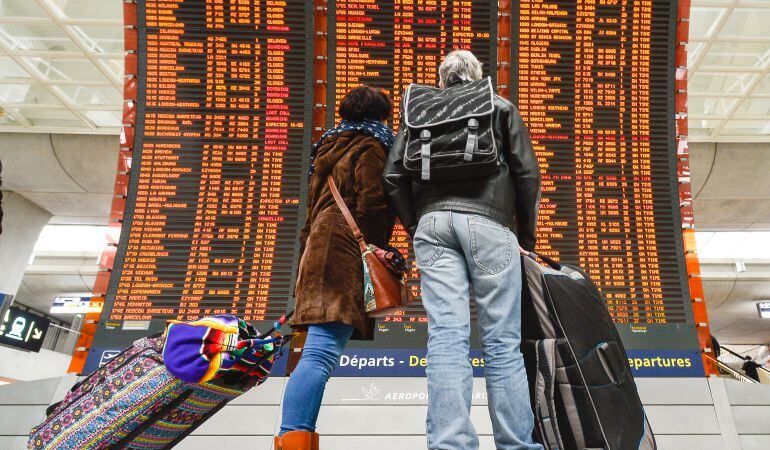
387, 292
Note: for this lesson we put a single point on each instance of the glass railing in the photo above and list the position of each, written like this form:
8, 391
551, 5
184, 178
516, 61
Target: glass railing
730, 362
60, 339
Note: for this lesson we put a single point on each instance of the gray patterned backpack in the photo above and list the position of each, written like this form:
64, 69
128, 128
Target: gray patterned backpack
449, 132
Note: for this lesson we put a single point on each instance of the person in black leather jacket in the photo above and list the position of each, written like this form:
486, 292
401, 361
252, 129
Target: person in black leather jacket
510, 197
464, 240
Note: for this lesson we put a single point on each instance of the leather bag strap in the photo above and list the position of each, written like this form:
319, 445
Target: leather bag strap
346, 213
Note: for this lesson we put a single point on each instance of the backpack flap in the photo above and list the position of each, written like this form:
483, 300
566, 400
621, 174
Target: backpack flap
449, 131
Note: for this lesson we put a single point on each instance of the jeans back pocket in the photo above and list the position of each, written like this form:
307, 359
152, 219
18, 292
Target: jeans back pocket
491, 244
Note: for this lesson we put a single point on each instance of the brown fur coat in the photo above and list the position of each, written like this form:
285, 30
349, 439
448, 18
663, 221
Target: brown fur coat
330, 281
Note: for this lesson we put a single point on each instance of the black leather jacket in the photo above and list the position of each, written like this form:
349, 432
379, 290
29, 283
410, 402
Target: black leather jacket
511, 196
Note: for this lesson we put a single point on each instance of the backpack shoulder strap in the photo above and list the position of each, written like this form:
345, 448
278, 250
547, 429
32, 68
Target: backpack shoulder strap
346, 213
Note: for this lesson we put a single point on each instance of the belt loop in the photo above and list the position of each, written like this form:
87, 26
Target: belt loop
472, 143
425, 154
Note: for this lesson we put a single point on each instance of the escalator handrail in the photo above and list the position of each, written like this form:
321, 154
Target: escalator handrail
742, 357
734, 373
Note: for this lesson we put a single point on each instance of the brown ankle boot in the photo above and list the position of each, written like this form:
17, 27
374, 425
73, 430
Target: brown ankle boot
297, 440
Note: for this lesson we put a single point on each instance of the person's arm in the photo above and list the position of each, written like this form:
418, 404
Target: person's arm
526, 178
398, 184
371, 211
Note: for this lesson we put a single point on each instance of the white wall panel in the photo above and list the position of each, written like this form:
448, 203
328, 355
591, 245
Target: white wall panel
13, 442
18, 420
389, 413
242, 420
683, 419
752, 419
747, 394
268, 393
38, 392
684, 442
674, 391
231, 442
755, 442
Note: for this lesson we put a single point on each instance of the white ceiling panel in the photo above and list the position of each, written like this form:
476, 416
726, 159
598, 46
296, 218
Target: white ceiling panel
22, 9
710, 83
67, 54
729, 64
61, 66
27, 94
86, 10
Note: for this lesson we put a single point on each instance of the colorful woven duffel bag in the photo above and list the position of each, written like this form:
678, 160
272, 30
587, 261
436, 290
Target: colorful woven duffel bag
136, 402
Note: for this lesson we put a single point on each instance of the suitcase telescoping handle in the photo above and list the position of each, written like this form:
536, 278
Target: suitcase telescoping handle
267, 337
550, 262
277, 324
280, 343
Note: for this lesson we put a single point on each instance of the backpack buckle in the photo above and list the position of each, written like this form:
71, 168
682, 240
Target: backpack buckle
425, 138
472, 143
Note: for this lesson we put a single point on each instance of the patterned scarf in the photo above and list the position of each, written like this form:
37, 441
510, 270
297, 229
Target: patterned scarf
373, 128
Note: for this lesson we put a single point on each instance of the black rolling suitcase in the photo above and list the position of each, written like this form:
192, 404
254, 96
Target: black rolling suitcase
582, 391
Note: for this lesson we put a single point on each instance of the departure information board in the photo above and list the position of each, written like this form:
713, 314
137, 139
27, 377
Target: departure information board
219, 165
227, 92
390, 44
594, 80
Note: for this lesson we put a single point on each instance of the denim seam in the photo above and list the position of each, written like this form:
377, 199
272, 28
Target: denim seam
474, 246
431, 232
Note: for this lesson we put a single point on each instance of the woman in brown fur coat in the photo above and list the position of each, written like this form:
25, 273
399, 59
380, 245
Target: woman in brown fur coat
330, 289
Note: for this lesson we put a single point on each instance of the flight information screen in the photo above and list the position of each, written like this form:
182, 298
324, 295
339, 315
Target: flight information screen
219, 166
223, 135
390, 44
593, 80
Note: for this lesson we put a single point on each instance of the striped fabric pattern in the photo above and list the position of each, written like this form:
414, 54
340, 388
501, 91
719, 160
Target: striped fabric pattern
209, 348
127, 392
427, 106
203, 399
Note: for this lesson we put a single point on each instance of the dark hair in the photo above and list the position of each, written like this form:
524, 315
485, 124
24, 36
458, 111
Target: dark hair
365, 102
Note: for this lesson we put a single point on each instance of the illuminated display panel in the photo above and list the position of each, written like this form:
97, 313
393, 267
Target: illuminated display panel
594, 82
218, 177
218, 172
390, 44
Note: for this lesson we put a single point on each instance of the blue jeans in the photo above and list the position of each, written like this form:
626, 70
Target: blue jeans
305, 389
456, 252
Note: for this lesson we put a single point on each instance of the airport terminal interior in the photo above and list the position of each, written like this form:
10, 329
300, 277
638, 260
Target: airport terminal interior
154, 158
